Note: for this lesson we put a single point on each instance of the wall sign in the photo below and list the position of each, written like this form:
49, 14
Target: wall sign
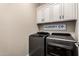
55, 27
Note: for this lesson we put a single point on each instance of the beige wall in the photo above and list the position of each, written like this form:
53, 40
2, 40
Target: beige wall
17, 22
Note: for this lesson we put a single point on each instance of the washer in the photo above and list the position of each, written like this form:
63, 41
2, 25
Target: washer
37, 43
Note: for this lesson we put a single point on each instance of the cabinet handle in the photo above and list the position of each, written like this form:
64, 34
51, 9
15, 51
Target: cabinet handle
42, 19
59, 17
63, 17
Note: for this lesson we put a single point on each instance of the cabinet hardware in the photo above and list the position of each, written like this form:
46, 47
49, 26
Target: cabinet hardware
63, 17
42, 20
59, 17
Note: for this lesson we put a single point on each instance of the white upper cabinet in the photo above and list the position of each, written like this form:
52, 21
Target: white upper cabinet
55, 12
46, 13
43, 14
40, 15
69, 11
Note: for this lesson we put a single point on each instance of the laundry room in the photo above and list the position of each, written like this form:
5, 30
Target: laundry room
39, 29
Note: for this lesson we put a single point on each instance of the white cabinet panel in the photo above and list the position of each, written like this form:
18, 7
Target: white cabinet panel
43, 14
40, 15
69, 12
55, 12
46, 14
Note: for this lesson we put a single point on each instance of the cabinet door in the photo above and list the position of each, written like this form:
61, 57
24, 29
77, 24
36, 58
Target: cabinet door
69, 12
46, 13
40, 15
55, 12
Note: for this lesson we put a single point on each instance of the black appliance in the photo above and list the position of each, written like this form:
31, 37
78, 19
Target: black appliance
37, 44
61, 44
